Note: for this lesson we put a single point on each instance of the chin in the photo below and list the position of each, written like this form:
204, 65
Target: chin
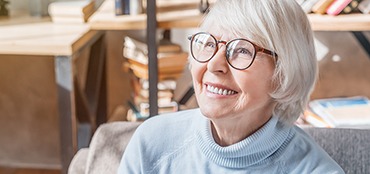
211, 113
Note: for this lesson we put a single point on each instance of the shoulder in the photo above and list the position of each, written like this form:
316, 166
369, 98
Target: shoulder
159, 138
173, 127
304, 154
167, 122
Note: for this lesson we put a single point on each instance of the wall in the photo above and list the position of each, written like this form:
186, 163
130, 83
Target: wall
344, 69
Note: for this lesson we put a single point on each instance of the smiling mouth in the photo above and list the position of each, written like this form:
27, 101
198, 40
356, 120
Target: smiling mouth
220, 91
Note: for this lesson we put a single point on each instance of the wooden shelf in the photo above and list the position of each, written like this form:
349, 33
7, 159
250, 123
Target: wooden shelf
176, 14
186, 15
348, 22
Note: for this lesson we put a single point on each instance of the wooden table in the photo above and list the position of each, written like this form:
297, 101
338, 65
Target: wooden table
64, 44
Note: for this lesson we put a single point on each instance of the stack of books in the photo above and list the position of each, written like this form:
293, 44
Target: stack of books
71, 11
139, 108
334, 7
171, 63
344, 112
171, 59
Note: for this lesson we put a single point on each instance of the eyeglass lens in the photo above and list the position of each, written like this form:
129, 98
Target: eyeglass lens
239, 52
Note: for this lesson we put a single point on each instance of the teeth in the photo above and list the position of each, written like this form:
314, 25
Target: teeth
225, 92
220, 91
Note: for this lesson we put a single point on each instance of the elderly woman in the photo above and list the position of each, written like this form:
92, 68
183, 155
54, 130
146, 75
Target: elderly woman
253, 66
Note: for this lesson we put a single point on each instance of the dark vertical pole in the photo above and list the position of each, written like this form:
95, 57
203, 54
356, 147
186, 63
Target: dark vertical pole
361, 38
151, 29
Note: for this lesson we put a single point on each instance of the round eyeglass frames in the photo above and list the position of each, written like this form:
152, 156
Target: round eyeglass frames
240, 53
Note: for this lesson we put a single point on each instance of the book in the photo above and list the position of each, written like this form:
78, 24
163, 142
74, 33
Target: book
122, 7
141, 114
165, 60
364, 6
162, 85
138, 46
343, 112
71, 8
141, 87
315, 120
307, 5
162, 108
133, 114
163, 74
321, 6
337, 6
165, 91
71, 11
171, 59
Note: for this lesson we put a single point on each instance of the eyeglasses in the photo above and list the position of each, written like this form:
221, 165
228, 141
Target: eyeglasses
240, 53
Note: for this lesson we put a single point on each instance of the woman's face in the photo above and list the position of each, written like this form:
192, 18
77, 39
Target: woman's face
249, 88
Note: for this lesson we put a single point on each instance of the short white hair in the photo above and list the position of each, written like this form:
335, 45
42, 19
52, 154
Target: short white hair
280, 26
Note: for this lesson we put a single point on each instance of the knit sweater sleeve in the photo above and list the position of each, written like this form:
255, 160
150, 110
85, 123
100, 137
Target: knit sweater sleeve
155, 139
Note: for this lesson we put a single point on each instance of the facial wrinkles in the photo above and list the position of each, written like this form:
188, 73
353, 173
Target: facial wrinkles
242, 100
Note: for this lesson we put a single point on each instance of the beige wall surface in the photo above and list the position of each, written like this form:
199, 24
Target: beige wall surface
345, 68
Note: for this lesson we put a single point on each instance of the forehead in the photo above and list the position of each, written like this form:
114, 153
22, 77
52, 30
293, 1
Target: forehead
224, 32
221, 34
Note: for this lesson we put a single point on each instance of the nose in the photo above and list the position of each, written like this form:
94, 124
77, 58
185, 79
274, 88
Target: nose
218, 63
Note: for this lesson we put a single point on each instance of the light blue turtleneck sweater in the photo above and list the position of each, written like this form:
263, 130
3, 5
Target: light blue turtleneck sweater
182, 142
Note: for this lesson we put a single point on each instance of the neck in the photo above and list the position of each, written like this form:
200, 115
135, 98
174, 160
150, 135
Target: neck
228, 131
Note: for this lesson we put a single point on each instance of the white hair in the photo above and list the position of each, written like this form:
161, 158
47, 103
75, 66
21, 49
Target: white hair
280, 26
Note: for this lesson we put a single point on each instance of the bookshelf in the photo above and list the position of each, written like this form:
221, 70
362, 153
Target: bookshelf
349, 22
186, 16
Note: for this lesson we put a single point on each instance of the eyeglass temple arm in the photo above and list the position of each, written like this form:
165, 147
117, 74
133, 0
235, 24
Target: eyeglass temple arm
190, 37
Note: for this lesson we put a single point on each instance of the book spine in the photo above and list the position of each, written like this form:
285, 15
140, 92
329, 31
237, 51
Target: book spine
314, 119
122, 7
136, 7
126, 6
337, 6
321, 6
118, 7
307, 5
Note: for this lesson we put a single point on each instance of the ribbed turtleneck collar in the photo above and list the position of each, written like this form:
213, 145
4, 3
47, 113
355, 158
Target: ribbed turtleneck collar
252, 150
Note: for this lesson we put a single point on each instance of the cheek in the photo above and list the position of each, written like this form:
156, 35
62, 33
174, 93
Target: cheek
197, 71
256, 84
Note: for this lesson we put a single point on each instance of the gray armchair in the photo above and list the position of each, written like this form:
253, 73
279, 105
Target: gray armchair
349, 147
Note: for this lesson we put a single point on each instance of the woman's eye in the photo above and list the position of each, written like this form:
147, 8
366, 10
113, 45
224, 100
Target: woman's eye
210, 45
243, 51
